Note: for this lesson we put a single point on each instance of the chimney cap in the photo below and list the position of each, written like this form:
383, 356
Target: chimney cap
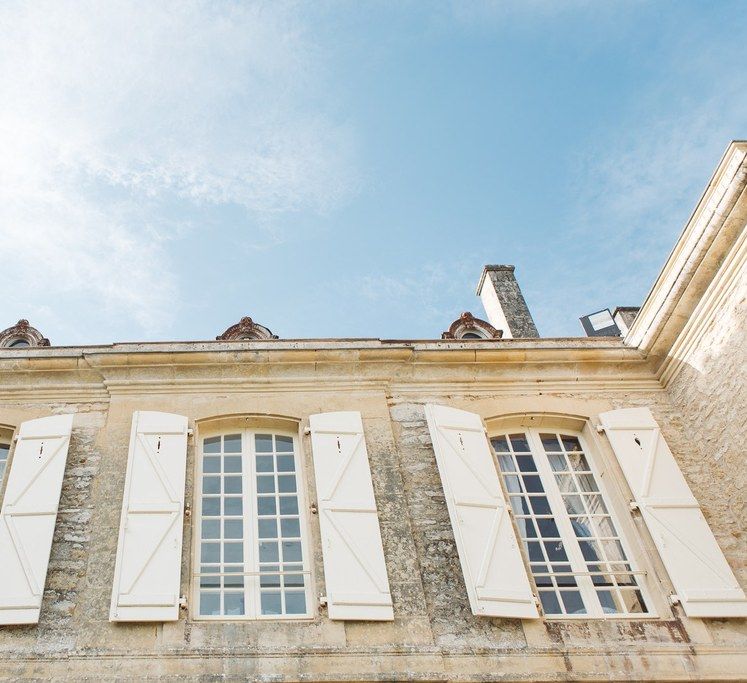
492, 268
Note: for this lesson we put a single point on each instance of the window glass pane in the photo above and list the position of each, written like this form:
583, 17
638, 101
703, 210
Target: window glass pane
271, 602
210, 528
550, 442
295, 603
266, 484
210, 552
268, 580
570, 443
526, 463
210, 507
233, 506
233, 552
572, 602
558, 462
211, 485
265, 463
519, 443
211, 463
287, 483
500, 445
290, 528
286, 463
232, 443
284, 444
234, 604
263, 443
268, 551
268, 528
233, 528
533, 484
232, 463
209, 604
540, 505
291, 551
266, 505
550, 603
232, 485
288, 505
211, 445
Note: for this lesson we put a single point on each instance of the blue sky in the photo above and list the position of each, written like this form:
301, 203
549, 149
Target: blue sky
345, 169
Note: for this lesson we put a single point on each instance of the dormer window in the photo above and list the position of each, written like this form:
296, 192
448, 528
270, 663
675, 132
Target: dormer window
22, 336
246, 330
466, 326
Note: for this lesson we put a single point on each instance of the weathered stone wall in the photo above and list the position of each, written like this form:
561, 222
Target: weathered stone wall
710, 395
434, 635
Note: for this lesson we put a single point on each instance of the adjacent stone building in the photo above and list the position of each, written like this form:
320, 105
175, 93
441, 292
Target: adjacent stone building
491, 505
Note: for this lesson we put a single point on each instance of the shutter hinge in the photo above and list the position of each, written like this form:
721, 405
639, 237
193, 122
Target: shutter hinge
634, 506
15, 438
307, 431
188, 511
674, 599
183, 601
314, 509
322, 601
190, 433
600, 428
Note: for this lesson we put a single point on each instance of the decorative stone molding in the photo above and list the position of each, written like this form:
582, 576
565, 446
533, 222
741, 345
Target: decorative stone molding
466, 325
246, 329
22, 335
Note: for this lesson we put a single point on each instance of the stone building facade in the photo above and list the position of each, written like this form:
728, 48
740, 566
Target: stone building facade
683, 362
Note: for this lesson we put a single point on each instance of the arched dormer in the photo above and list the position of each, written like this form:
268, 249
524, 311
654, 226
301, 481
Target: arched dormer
22, 335
246, 329
466, 326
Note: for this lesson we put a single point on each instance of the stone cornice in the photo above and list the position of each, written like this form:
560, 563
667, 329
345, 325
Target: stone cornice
709, 237
97, 373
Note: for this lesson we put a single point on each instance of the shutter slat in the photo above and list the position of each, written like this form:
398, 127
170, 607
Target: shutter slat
702, 578
29, 514
354, 566
147, 575
492, 564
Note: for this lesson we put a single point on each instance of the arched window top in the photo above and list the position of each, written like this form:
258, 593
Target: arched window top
246, 330
22, 335
466, 326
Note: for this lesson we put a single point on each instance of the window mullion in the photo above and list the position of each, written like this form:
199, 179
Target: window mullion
563, 522
251, 580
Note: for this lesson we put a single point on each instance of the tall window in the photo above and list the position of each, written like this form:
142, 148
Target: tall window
4, 450
571, 541
253, 561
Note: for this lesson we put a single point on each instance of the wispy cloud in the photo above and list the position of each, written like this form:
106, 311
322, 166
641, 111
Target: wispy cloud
114, 114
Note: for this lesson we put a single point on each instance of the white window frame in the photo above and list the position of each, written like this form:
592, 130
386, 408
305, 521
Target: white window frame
6, 439
251, 521
563, 522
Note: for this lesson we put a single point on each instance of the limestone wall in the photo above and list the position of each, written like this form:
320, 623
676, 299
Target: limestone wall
434, 635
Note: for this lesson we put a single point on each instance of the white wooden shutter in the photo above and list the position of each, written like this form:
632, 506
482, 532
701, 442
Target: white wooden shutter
28, 515
702, 578
492, 564
147, 574
354, 567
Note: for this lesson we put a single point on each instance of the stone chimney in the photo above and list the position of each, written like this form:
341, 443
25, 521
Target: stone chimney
504, 303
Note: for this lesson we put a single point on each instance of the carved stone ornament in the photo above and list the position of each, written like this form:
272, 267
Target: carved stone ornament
247, 329
22, 335
466, 326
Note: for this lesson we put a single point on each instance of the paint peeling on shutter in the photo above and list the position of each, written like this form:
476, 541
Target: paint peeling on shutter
354, 566
147, 574
702, 578
492, 564
28, 515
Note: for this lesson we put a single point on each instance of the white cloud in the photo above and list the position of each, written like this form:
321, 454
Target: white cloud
113, 114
